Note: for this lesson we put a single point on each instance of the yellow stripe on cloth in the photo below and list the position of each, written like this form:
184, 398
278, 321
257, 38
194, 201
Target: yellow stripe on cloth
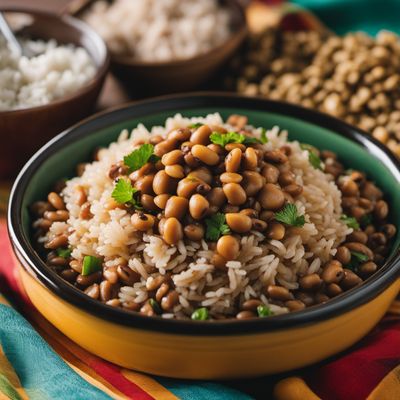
388, 388
7, 370
149, 385
293, 388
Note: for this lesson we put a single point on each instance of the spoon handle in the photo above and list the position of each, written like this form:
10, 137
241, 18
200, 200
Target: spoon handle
9, 35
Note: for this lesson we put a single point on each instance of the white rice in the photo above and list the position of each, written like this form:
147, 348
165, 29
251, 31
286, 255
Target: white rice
54, 73
260, 262
160, 30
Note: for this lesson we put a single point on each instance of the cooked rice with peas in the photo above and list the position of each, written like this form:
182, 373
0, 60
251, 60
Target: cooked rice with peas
217, 220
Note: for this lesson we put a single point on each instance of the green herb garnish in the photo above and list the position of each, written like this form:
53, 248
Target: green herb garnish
313, 156
140, 156
201, 314
232, 137
196, 125
366, 220
224, 138
351, 222
124, 193
264, 138
216, 227
264, 311
155, 306
357, 258
290, 216
64, 252
90, 265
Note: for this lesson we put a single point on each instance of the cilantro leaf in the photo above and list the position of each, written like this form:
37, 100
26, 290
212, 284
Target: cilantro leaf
64, 252
195, 125
264, 138
90, 265
140, 156
216, 227
224, 138
155, 306
290, 216
264, 311
351, 222
124, 192
357, 258
313, 156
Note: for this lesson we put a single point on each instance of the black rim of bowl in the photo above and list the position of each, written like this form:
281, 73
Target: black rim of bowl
346, 302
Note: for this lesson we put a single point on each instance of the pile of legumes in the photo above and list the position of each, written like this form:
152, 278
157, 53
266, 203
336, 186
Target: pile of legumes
355, 77
207, 219
56, 71
160, 30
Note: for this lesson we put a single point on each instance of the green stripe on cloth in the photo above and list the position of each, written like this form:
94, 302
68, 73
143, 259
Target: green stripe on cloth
43, 374
8, 389
197, 390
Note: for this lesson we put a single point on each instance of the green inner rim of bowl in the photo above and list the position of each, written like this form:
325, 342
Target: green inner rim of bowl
63, 163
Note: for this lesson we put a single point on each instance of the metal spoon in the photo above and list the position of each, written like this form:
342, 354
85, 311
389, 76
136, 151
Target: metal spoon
12, 41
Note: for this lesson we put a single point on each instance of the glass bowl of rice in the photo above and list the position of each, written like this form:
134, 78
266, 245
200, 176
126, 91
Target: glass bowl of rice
55, 87
209, 236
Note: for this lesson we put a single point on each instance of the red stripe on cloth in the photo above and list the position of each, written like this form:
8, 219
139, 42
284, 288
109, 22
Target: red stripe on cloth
9, 280
355, 375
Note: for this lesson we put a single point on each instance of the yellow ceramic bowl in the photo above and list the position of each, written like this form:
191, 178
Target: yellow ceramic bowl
195, 349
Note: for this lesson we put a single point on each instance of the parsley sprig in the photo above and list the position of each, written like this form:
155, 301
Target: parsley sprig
140, 156
351, 222
90, 265
125, 193
290, 216
201, 314
264, 138
232, 137
216, 227
264, 311
64, 252
195, 125
313, 156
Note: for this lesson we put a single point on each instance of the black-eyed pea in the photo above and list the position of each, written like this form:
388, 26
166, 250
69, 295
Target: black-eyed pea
258, 225
233, 160
176, 206
93, 291
270, 173
360, 248
179, 135
389, 230
286, 178
333, 289
147, 201
234, 193
163, 183
127, 275
194, 232
271, 197
216, 197
251, 305
218, 261
250, 159
252, 183
230, 177
175, 171
343, 255
188, 186
310, 282
201, 135
216, 148
205, 155
191, 161
142, 222
333, 272
58, 241
250, 212
161, 200
275, 156
246, 315
173, 157
349, 280
228, 247
56, 201
381, 210
202, 173
295, 305
172, 231
238, 222
358, 236
367, 269
145, 184
275, 230
294, 189
278, 293
198, 206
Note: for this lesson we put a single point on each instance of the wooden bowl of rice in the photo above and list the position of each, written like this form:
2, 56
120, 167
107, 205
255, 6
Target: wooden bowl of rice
25, 129
218, 349
161, 75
